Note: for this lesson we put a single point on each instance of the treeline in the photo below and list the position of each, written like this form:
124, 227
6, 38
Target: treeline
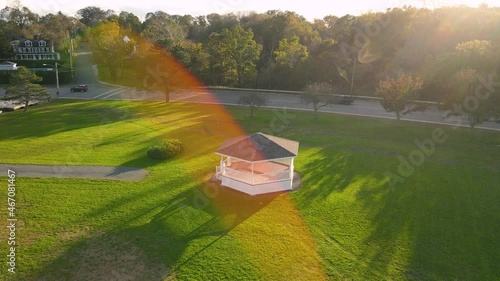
281, 49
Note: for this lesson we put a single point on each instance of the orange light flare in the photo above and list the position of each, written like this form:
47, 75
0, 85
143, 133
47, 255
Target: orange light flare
279, 234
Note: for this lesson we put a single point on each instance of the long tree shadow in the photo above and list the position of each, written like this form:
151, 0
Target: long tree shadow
449, 225
197, 218
332, 172
62, 116
438, 224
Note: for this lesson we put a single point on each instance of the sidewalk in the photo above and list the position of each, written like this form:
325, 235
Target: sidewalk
83, 172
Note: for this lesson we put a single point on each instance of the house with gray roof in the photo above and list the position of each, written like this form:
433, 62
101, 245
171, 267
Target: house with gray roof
34, 50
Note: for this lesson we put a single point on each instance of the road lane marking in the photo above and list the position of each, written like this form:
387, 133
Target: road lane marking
74, 98
117, 89
187, 97
121, 91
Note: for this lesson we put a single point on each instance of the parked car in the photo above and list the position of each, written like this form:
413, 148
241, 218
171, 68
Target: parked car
80, 88
344, 99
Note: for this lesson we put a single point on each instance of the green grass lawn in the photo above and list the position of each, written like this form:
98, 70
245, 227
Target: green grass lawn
345, 223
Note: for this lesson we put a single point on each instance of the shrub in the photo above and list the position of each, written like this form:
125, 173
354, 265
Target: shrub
166, 149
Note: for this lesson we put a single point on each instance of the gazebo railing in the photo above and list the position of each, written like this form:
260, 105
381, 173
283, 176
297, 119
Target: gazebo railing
256, 178
238, 175
218, 172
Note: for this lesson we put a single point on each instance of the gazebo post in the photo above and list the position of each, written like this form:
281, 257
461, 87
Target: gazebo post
222, 164
291, 173
253, 182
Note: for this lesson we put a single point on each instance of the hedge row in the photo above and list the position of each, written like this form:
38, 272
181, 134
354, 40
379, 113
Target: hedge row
48, 77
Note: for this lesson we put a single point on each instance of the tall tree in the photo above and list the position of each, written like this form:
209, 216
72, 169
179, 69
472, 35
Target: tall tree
290, 52
289, 71
129, 21
20, 16
92, 15
109, 48
319, 95
59, 28
234, 54
162, 26
463, 97
21, 20
398, 95
24, 87
6, 51
216, 23
253, 101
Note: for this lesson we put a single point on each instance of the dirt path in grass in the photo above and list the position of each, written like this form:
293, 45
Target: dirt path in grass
84, 172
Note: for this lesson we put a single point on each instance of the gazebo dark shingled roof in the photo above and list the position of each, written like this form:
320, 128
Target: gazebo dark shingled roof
259, 147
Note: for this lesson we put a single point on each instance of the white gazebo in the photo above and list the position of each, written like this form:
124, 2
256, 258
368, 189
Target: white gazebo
257, 164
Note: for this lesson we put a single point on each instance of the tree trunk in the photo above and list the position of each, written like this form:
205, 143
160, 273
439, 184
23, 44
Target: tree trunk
109, 70
26, 106
251, 111
472, 122
167, 96
120, 69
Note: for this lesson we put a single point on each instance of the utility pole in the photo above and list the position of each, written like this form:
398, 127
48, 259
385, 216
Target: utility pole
57, 77
353, 71
70, 51
57, 81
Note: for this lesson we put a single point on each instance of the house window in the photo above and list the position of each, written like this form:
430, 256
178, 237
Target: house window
28, 43
42, 43
29, 50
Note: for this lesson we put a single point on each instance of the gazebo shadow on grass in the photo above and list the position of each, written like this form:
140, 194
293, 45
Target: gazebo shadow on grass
197, 218
332, 180
229, 201
227, 209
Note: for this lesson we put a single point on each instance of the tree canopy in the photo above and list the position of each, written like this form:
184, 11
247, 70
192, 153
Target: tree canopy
24, 88
398, 94
281, 49
319, 95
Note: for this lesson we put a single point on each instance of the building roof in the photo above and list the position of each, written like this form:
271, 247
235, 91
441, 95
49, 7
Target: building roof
35, 43
259, 147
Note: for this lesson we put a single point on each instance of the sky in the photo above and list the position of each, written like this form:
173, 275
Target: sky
310, 9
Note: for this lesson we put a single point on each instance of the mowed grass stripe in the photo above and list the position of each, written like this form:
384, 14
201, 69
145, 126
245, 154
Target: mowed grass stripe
441, 223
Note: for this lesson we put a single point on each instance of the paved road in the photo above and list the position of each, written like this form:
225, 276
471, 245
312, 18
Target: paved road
86, 172
87, 74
